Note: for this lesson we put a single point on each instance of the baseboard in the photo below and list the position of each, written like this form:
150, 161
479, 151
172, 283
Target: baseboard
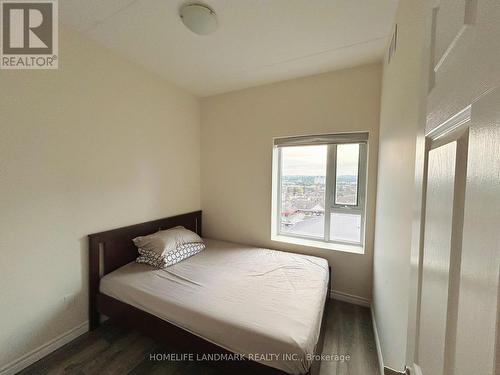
350, 298
390, 371
384, 370
377, 343
29, 358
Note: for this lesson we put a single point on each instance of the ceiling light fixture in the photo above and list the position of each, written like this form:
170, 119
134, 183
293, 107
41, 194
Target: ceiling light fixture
198, 18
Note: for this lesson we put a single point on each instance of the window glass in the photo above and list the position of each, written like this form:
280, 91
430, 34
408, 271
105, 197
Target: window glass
312, 180
345, 227
346, 181
303, 185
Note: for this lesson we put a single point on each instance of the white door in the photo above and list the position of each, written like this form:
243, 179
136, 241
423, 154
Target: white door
457, 330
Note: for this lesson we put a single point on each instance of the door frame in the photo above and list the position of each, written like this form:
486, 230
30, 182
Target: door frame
454, 129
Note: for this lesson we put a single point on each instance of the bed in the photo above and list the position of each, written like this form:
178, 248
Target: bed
227, 299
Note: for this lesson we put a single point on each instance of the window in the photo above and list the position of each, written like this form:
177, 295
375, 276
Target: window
319, 185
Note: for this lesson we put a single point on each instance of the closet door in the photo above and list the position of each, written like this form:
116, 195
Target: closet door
458, 300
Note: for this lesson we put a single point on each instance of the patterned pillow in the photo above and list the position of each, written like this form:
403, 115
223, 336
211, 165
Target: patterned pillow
183, 251
151, 258
172, 257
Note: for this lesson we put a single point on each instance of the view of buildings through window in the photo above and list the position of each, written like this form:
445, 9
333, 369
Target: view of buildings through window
303, 192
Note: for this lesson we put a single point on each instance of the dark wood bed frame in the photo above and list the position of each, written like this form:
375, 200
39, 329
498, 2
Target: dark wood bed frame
113, 249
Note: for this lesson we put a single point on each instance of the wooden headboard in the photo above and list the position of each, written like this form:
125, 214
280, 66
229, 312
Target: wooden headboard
114, 248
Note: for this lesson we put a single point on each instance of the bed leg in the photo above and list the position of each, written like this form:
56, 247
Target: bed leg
93, 320
94, 276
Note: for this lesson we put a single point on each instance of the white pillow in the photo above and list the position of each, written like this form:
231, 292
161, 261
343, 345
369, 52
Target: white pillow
166, 241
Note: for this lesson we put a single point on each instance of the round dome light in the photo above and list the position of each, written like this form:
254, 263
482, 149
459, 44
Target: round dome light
198, 18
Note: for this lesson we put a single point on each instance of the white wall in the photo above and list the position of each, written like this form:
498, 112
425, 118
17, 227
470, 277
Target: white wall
99, 143
237, 137
402, 118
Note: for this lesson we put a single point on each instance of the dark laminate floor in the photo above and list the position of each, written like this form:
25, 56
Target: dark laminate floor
113, 350
349, 331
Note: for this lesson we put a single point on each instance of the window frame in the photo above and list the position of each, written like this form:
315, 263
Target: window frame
330, 193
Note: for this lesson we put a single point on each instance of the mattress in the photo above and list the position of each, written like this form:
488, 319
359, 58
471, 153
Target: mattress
261, 303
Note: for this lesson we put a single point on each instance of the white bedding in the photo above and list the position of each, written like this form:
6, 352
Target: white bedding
248, 300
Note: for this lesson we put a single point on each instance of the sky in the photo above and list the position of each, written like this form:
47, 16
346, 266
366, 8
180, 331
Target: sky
311, 160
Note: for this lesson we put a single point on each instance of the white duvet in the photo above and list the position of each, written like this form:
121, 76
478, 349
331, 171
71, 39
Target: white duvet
261, 303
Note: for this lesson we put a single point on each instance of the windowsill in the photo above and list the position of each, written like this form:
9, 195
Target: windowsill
355, 249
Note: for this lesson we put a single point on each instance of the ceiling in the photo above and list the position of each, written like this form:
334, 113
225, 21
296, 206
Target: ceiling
257, 41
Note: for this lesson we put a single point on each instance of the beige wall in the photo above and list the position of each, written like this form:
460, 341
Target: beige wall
401, 120
97, 144
237, 135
